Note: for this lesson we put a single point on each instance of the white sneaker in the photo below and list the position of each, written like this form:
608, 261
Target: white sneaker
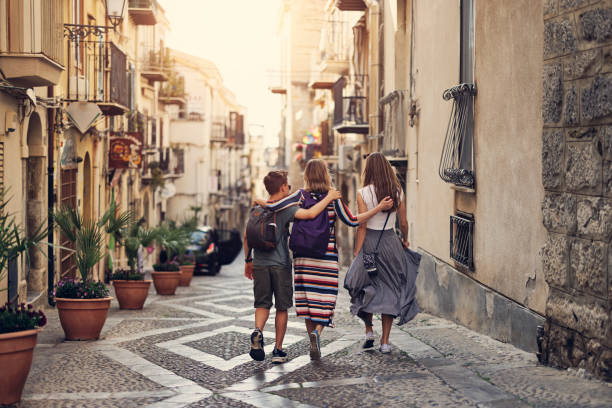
385, 348
369, 341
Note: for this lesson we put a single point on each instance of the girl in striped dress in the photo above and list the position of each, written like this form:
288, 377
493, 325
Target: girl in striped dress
316, 277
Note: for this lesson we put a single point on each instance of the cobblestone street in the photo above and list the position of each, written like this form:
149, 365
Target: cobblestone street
191, 350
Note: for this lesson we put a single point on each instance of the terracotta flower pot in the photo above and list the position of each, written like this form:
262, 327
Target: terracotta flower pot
82, 319
166, 282
131, 294
186, 274
15, 359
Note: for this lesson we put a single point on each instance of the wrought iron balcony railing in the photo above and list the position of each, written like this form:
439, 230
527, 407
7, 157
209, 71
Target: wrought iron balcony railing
219, 129
97, 72
335, 47
350, 112
155, 63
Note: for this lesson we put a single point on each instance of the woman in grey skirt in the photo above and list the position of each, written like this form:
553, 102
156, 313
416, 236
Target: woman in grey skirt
389, 290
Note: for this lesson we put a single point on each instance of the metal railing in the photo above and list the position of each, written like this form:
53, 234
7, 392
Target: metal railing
462, 239
457, 158
219, 129
174, 87
335, 41
350, 102
155, 59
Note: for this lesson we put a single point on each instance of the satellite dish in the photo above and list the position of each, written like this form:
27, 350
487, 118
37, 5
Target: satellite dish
168, 191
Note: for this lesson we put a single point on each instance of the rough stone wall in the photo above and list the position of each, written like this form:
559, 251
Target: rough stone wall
577, 177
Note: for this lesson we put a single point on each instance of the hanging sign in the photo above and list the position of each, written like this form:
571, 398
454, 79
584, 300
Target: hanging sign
126, 151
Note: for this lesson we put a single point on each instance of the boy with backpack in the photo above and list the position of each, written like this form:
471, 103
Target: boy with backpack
270, 268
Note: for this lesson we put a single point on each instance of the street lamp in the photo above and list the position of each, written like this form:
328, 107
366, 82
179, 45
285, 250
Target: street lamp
114, 11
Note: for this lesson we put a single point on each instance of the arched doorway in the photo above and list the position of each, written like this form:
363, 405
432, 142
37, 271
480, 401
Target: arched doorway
35, 203
87, 189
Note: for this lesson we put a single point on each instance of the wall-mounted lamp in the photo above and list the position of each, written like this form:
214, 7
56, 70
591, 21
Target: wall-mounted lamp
114, 13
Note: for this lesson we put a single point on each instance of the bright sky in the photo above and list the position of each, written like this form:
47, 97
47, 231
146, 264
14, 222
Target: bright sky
239, 36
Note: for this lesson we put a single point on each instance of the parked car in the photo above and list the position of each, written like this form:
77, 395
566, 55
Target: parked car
212, 248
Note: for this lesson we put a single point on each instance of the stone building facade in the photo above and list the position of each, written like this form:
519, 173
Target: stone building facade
577, 177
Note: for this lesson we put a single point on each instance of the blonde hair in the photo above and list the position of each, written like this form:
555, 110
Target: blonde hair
316, 176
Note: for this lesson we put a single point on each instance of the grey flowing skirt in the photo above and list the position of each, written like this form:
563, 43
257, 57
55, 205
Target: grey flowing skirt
393, 290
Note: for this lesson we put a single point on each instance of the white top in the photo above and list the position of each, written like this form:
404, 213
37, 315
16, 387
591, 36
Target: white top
368, 193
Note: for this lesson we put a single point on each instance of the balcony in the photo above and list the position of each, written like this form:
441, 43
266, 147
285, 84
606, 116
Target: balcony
143, 12
97, 72
172, 162
236, 129
350, 112
34, 56
395, 125
155, 63
318, 79
335, 48
219, 130
173, 91
351, 5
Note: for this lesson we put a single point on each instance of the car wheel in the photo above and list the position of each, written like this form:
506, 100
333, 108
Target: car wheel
216, 268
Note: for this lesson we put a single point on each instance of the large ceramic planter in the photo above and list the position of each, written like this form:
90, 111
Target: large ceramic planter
131, 294
166, 282
186, 274
82, 319
15, 359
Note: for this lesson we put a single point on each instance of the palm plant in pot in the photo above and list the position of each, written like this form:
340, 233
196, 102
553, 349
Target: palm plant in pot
130, 286
19, 324
187, 263
167, 272
83, 304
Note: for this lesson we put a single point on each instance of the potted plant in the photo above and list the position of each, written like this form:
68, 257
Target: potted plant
187, 263
83, 305
19, 324
130, 286
167, 272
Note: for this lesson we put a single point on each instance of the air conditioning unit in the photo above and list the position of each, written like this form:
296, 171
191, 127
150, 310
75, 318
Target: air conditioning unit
79, 88
346, 158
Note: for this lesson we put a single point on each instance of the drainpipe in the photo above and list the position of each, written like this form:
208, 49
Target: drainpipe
50, 197
374, 18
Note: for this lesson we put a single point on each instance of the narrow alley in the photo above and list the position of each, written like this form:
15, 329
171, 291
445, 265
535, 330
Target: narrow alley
191, 350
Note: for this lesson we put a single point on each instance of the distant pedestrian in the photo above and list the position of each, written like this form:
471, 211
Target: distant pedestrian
385, 281
270, 268
315, 256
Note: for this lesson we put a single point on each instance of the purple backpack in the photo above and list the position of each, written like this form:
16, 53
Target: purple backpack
310, 238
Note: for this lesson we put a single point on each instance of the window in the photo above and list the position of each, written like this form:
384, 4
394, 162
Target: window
462, 239
457, 159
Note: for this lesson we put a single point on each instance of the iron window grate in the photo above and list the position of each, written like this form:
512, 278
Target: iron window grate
462, 239
457, 159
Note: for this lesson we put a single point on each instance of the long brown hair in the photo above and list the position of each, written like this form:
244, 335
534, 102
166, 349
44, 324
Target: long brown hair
380, 174
316, 176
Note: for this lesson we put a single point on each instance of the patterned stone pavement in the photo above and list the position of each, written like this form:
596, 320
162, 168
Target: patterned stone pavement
191, 350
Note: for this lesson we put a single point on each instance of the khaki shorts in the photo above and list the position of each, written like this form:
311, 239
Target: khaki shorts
273, 280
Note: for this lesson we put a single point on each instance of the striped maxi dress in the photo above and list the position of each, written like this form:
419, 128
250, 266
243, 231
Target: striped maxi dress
316, 279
